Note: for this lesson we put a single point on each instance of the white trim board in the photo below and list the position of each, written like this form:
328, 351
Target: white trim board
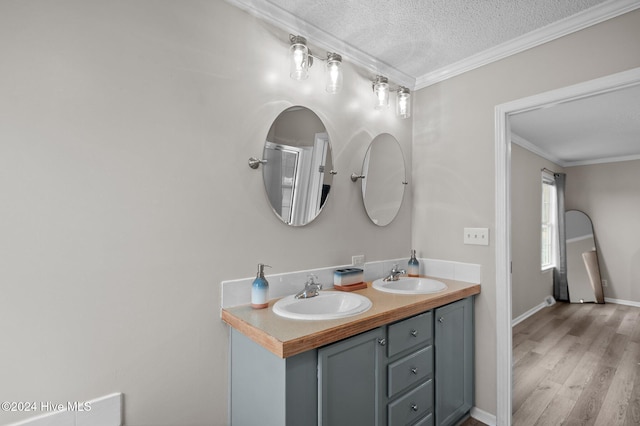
622, 302
284, 20
527, 314
503, 215
483, 416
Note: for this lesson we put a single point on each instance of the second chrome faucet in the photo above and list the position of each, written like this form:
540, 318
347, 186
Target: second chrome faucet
311, 288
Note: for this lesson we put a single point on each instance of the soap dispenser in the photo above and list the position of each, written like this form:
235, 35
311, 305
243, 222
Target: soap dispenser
260, 289
413, 269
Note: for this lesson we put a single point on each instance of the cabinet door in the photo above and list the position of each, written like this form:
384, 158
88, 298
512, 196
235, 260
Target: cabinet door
351, 381
454, 361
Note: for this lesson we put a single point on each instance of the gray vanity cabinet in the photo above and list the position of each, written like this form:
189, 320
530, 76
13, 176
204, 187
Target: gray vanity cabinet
351, 381
414, 372
270, 391
453, 361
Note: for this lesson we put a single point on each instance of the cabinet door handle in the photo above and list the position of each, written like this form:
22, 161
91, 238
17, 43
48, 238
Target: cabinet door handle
414, 333
440, 320
414, 406
414, 370
382, 342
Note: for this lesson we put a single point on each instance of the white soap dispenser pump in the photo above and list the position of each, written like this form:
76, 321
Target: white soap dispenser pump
260, 289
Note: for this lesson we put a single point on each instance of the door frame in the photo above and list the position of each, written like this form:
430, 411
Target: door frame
503, 214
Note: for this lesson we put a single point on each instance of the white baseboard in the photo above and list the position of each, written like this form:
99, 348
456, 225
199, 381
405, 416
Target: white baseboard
527, 314
482, 416
103, 411
622, 302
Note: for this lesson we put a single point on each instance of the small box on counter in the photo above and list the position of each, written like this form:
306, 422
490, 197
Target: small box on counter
349, 279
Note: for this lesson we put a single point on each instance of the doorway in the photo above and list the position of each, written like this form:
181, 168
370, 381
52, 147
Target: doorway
503, 214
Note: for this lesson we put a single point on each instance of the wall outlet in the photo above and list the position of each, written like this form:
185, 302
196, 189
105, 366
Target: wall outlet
605, 283
476, 236
358, 260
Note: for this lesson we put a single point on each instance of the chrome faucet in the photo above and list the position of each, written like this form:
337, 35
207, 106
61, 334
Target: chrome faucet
394, 274
311, 288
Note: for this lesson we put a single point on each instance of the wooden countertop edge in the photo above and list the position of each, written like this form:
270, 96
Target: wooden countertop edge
342, 331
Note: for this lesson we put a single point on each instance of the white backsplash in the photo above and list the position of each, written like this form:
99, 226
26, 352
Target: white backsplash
238, 292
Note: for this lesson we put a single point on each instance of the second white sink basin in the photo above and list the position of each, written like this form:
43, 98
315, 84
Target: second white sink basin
410, 285
327, 305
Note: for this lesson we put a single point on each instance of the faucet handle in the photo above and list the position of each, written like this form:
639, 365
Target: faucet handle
311, 280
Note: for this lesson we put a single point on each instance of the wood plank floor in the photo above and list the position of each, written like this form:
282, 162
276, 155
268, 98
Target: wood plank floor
577, 364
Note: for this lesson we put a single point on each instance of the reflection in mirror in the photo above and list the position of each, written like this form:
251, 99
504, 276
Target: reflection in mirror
384, 179
583, 274
298, 160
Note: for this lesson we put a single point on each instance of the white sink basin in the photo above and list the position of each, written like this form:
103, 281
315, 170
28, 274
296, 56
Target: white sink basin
410, 285
327, 305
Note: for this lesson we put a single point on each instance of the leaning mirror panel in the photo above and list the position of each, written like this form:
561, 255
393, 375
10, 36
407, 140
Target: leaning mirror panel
583, 273
298, 171
383, 179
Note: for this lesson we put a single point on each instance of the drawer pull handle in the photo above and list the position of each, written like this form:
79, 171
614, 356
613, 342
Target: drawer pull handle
440, 320
414, 370
382, 342
414, 333
414, 406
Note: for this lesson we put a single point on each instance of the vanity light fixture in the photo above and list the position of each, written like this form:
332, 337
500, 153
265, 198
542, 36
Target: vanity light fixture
403, 102
301, 59
381, 90
334, 73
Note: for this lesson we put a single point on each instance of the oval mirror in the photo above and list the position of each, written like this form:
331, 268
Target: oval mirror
384, 179
298, 170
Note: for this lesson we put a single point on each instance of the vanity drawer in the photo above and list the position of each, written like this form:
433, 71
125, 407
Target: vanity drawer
410, 370
409, 333
427, 421
412, 406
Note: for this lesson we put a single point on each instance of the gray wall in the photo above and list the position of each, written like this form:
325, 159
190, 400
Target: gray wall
610, 195
126, 196
529, 285
454, 149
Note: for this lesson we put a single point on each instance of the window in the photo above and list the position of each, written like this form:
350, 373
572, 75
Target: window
549, 222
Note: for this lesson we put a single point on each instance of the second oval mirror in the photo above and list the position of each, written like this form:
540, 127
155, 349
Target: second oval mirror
384, 179
298, 170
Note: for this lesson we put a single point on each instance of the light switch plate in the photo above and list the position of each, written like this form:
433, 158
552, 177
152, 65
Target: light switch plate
357, 260
476, 236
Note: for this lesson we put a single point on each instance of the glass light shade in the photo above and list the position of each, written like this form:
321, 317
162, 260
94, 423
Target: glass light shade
381, 91
299, 53
334, 73
403, 105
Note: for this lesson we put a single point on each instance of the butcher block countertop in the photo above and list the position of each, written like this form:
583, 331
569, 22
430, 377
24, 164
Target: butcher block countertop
287, 337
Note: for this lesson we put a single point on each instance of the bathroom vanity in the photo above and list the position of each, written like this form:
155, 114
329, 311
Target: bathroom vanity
406, 361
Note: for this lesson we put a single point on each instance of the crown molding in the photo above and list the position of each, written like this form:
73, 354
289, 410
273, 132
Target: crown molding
602, 161
529, 146
291, 23
594, 15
